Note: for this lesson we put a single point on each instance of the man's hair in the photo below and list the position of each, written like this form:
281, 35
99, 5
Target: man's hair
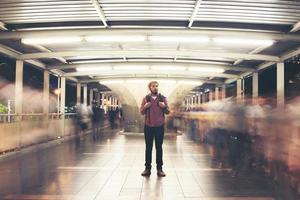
151, 83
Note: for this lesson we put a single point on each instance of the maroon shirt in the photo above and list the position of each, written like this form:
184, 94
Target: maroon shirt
154, 116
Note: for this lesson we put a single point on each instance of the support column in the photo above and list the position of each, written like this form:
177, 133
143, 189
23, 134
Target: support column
239, 90
210, 93
91, 96
217, 93
185, 104
280, 85
78, 94
102, 103
62, 94
19, 87
255, 85
224, 92
199, 99
203, 97
98, 99
46, 93
85, 95
114, 102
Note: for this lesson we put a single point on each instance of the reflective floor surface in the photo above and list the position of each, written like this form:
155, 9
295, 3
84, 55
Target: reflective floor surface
109, 168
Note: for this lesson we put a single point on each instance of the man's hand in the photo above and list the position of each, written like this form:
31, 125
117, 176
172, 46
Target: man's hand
147, 105
162, 104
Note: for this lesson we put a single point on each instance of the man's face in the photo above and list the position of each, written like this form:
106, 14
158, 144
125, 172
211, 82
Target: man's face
154, 88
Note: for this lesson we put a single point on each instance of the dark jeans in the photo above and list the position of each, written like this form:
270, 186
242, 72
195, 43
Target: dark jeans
156, 133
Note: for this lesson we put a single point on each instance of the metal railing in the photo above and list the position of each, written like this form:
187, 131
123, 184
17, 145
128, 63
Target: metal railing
12, 118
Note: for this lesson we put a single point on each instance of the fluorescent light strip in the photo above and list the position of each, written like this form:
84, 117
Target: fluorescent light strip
92, 69
179, 39
208, 70
131, 68
96, 61
238, 41
116, 38
162, 81
200, 61
137, 80
51, 40
168, 68
108, 82
190, 82
169, 81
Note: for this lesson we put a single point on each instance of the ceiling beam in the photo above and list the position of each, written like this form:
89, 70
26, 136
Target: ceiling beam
100, 12
296, 27
37, 64
162, 74
9, 51
290, 54
16, 55
97, 79
195, 11
120, 31
42, 48
283, 57
226, 67
255, 51
146, 53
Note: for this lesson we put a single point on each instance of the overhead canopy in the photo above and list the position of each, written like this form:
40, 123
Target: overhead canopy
208, 40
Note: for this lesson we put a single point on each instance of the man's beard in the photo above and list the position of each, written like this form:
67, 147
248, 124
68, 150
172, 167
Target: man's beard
154, 92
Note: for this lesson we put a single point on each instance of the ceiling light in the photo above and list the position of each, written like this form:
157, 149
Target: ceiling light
96, 61
238, 41
91, 69
136, 80
179, 39
116, 38
107, 82
208, 70
201, 61
190, 82
51, 40
168, 68
131, 68
168, 81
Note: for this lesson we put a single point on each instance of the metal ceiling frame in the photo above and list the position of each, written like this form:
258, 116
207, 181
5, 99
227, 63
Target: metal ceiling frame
153, 73
280, 13
154, 31
146, 53
226, 67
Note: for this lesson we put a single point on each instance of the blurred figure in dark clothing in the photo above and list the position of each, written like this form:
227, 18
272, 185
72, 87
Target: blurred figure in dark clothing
95, 120
117, 117
112, 117
121, 117
239, 146
81, 121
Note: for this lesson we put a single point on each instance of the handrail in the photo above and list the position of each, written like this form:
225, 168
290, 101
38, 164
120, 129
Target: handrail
9, 118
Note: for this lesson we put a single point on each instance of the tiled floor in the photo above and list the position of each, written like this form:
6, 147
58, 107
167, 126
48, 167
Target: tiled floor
109, 168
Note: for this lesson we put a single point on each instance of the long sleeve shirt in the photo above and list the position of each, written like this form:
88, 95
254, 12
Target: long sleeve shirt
154, 115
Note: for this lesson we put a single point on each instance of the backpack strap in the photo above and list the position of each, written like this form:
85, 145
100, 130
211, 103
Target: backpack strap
161, 97
148, 98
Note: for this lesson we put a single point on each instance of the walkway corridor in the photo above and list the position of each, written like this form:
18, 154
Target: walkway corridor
109, 168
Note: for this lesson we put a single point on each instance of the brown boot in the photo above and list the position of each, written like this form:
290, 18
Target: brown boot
161, 173
146, 172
